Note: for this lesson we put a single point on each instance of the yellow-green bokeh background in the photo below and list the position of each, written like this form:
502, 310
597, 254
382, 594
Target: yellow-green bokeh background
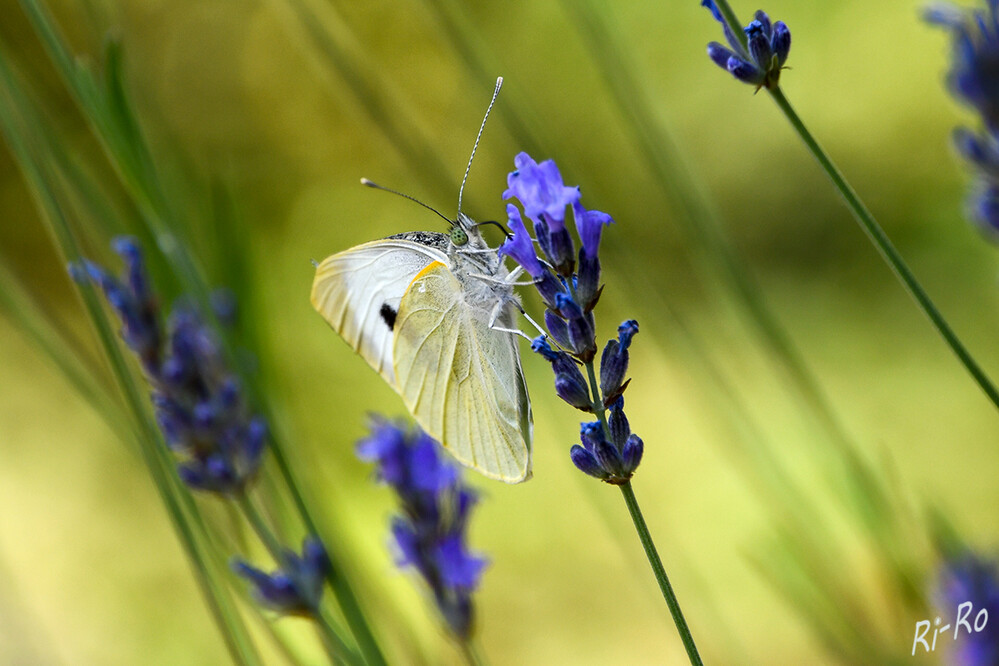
90, 572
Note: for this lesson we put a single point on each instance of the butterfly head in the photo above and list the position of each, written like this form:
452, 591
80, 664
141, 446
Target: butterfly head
459, 236
465, 234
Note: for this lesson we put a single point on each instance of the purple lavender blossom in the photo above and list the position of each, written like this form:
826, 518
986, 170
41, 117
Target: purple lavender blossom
965, 578
296, 588
199, 404
974, 80
544, 196
430, 532
612, 459
761, 60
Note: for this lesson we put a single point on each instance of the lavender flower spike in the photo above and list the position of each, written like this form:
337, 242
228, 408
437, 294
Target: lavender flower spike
974, 73
974, 80
540, 189
200, 407
611, 461
429, 533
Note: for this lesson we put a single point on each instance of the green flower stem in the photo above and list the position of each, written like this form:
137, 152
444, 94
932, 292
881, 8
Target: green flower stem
341, 587
886, 249
597, 401
260, 527
337, 650
660, 572
329, 634
872, 228
471, 652
597, 405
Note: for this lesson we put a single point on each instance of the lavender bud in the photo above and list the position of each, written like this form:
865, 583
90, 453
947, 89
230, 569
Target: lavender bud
586, 462
632, 454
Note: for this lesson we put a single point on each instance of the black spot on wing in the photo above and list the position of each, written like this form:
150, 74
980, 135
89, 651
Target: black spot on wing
388, 314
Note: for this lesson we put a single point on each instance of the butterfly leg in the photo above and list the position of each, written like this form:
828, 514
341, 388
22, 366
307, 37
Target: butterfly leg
532, 322
495, 280
512, 276
494, 316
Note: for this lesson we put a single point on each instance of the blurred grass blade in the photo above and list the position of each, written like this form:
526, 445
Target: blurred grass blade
332, 38
18, 121
814, 588
483, 70
77, 367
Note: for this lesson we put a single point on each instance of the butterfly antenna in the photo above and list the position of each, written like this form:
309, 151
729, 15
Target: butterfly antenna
495, 224
368, 183
499, 84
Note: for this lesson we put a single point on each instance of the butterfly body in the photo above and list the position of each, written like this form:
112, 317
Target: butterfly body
426, 310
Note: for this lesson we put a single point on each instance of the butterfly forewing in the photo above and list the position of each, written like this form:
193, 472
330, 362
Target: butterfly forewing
461, 379
358, 293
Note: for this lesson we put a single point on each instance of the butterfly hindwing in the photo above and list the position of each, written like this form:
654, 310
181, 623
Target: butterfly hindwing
461, 379
358, 292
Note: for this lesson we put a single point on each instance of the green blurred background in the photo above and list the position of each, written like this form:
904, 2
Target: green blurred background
249, 95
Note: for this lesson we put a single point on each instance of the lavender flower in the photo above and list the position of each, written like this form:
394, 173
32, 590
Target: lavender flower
760, 62
296, 588
613, 459
974, 79
544, 197
965, 578
199, 403
131, 300
430, 533
609, 451
974, 74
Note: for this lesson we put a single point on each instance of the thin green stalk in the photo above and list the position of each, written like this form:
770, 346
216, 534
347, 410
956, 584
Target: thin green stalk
597, 405
886, 249
472, 654
342, 589
660, 572
76, 367
873, 229
337, 650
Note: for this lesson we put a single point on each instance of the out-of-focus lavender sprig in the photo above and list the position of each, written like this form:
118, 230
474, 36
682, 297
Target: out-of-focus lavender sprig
967, 577
296, 588
200, 407
569, 284
758, 62
430, 532
974, 80
204, 417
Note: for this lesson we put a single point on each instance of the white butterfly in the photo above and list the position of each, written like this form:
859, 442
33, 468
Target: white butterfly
435, 315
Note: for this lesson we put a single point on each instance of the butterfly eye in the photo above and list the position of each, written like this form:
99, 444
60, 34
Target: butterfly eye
458, 236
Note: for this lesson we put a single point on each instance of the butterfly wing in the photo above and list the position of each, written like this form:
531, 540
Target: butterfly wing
358, 292
460, 379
